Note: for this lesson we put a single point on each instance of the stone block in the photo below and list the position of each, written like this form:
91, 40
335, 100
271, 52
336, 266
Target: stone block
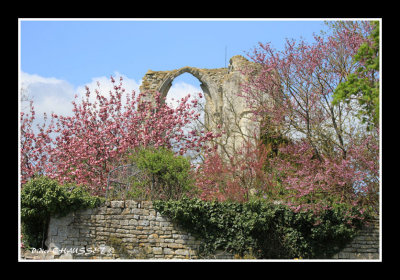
132, 222
130, 204
136, 211
168, 251
175, 246
124, 222
157, 250
153, 236
182, 252
114, 211
144, 223
155, 225
117, 204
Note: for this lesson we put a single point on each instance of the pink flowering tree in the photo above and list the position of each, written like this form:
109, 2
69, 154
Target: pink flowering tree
314, 184
98, 136
35, 148
291, 93
237, 178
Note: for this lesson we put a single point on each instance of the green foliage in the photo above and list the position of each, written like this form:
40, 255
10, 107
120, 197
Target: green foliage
264, 229
168, 175
363, 85
42, 198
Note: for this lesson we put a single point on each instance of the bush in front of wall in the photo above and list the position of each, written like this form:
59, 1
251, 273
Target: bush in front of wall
168, 175
41, 198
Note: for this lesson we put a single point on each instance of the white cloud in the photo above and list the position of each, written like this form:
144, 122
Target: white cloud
179, 90
48, 94
28, 79
55, 95
105, 85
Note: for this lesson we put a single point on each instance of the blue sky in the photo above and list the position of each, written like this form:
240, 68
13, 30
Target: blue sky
78, 50
59, 57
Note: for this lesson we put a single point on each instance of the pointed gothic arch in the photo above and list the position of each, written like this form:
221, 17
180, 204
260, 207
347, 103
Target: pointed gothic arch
221, 87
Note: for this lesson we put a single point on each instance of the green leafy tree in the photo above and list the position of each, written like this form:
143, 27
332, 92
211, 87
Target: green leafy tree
168, 175
363, 84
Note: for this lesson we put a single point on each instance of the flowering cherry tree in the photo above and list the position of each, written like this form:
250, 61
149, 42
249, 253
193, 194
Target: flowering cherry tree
97, 137
300, 81
291, 93
34, 146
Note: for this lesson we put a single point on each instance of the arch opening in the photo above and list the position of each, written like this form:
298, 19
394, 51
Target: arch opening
223, 111
188, 80
206, 84
181, 86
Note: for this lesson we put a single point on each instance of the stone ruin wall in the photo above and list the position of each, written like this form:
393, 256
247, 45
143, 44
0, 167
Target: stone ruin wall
364, 246
135, 230
221, 87
118, 230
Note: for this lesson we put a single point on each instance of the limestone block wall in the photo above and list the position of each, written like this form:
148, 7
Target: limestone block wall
135, 230
119, 230
365, 245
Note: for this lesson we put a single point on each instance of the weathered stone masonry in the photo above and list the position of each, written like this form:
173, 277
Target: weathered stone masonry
119, 230
221, 87
135, 230
365, 245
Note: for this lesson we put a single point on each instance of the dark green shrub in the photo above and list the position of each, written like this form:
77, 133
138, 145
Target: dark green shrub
267, 230
168, 175
42, 198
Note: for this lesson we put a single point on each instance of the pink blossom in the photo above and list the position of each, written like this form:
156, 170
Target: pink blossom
99, 134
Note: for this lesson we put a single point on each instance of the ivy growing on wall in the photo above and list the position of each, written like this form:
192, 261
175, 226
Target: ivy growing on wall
41, 198
269, 231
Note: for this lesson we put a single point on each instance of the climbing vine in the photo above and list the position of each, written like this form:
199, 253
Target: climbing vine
267, 230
